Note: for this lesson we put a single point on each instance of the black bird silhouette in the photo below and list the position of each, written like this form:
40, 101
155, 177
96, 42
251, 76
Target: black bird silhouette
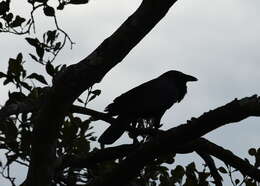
146, 101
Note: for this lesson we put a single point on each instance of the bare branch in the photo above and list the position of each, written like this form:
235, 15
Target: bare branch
95, 114
212, 167
229, 158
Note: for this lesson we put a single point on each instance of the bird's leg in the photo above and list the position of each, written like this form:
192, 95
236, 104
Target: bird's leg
102, 146
157, 120
132, 134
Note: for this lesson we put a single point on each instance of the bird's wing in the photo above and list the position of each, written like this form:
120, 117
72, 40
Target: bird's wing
156, 94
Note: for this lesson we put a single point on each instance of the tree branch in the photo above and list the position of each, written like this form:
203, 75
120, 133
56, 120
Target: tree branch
17, 108
33, 105
71, 82
94, 114
202, 146
229, 158
212, 167
234, 111
96, 156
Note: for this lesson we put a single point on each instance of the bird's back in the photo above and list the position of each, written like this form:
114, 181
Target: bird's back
154, 95
147, 101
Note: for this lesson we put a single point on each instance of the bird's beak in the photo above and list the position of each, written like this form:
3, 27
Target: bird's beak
190, 78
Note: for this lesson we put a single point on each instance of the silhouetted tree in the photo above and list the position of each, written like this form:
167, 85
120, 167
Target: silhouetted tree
39, 127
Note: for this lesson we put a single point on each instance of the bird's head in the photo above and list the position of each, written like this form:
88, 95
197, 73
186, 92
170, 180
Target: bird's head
178, 76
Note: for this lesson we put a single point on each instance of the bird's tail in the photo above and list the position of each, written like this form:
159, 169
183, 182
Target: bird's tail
114, 131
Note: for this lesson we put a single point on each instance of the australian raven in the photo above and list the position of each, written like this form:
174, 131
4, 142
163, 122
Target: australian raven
148, 100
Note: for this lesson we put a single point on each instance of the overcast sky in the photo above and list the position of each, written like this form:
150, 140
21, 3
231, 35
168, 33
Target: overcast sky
215, 41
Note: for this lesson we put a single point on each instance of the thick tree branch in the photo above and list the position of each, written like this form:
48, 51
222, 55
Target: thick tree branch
70, 83
168, 142
202, 146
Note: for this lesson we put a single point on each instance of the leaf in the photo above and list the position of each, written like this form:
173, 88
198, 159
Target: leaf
61, 6
9, 17
96, 92
164, 180
34, 57
203, 178
40, 52
25, 85
89, 134
50, 69
32, 41
222, 170
92, 138
10, 131
19, 57
80, 100
14, 67
38, 77
8, 80
69, 132
18, 21
15, 97
2, 75
257, 160
252, 152
49, 11
92, 97
57, 46
78, 2
191, 168
84, 127
178, 173
191, 181
26, 139
51, 36
82, 145
4, 7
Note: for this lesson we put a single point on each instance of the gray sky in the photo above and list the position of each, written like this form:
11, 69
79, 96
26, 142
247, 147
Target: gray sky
216, 41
